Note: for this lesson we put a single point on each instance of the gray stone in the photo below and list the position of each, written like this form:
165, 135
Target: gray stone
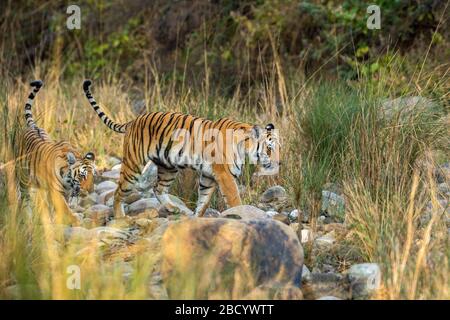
104, 186
442, 173
245, 212
110, 175
333, 204
275, 193
211, 213
306, 274
142, 205
105, 196
325, 241
365, 279
176, 205
112, 161
117, 167
88, 200
275, 198
99, 213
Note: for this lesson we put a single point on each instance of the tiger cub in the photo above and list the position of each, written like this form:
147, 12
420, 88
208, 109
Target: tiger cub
174, 141
53, 166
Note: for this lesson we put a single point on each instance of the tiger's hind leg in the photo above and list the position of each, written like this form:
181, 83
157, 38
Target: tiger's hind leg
206, 188
166, 177
128, 177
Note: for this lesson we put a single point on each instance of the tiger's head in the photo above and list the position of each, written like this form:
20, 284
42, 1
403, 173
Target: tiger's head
262, 149
79, 178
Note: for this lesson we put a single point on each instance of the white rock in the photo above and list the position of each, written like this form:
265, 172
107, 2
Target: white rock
271, 213
306, 235
115, 175
365, 279
329, 298
325, 240
117, 167
306, 274
104, 186
293, 215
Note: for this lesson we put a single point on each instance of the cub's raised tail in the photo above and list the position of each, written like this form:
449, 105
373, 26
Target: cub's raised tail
36, 85
117, 127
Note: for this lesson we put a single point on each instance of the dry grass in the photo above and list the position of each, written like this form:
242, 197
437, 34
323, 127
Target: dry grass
329, 132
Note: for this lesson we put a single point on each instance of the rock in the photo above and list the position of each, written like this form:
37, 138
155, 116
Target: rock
328, 298
306, 274
228, 258
132, 197
333, 204
148, 214
117, 167
305, 236
142, 205
99, 213
272, 213
282, 218
143, 222
275, 193
442, 173
245, 212
176, 205
112, 161
326, 284
444, 189
365, 279
110, 175
275, 198
211, 213
104, 186
325, 241
88, 200
293, 215
105, 196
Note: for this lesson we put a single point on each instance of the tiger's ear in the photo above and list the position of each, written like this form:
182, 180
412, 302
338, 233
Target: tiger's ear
256, 132
90, 156
71, 158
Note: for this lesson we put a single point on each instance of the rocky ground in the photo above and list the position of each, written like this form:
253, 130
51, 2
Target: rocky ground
256, 250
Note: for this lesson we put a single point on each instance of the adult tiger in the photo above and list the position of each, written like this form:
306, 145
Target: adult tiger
173, 141
54, 166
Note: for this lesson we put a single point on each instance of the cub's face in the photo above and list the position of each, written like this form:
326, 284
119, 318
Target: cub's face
80, 176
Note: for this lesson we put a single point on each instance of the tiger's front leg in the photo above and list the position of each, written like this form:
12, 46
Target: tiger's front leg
227, 185
206, 189
62, 209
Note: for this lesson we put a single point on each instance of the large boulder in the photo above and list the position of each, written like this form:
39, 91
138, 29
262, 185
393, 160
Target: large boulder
226, 258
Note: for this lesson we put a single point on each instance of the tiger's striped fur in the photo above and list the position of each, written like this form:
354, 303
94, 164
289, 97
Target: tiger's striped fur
154, 137
53, 166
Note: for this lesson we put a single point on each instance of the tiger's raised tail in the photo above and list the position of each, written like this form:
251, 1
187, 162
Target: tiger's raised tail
117, 127
36, 85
